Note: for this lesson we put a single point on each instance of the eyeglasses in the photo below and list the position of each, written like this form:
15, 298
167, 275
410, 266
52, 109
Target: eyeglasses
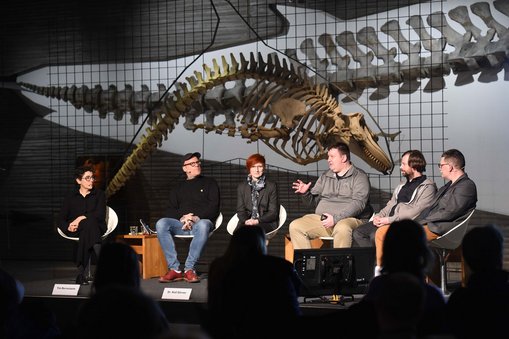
88, 178
441, 165
193, 164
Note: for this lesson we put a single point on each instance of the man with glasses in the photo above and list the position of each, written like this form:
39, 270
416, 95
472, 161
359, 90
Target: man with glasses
451, 203
193, 209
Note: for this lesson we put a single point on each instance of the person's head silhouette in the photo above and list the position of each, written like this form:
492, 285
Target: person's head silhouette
117, 264
405, 249
247, 241
117, 311
483, 248
400, 305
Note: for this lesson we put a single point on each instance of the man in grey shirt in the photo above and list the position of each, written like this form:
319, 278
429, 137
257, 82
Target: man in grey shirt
341, 200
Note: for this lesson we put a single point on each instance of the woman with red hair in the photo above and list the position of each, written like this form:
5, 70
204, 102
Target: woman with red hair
257, 198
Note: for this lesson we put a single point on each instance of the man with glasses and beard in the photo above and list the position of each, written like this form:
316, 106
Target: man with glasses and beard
193, 209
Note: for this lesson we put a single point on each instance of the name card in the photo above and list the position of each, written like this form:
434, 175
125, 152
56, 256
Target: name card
176, 293
66, 289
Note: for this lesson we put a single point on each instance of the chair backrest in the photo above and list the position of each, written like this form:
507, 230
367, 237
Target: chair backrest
452, 239
232, 224
218, 223
111, 223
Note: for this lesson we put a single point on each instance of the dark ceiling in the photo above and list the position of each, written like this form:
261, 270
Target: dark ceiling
344, 10
34, 33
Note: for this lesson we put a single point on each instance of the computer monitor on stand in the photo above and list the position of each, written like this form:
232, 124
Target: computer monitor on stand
334, 271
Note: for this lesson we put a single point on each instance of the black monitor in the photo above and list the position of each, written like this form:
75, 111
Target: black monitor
341, 271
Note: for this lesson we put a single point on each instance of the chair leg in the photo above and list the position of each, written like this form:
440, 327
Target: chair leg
443, 270
327, 243
96, 251
88, 275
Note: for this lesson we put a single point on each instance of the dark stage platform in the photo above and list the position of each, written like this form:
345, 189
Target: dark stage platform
39, 279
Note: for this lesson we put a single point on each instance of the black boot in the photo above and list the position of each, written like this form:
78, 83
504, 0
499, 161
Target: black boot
80, 279
97, 250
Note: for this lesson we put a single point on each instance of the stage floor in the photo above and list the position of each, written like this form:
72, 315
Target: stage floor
39, 279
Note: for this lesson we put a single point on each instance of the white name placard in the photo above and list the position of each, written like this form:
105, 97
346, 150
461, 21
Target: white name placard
177, 293
66, 289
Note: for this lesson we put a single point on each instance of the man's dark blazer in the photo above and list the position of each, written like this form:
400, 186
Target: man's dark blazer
451, 205
268, 204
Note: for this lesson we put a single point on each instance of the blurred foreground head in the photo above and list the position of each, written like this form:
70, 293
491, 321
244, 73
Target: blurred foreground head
405, 249
483, 248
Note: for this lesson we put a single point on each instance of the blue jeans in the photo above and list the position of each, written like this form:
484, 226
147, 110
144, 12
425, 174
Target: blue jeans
168, 227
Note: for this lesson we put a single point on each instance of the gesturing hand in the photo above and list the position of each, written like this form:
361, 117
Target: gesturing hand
300, 187
72, 227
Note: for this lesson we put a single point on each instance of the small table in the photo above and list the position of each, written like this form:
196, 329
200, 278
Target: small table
153, 263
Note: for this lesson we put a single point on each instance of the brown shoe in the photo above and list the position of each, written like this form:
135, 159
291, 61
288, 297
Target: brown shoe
191, 277
171, 276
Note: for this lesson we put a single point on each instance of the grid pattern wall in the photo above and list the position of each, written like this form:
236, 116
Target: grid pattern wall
147, 46
119, 59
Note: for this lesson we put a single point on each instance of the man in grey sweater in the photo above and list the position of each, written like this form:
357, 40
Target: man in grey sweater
341, 200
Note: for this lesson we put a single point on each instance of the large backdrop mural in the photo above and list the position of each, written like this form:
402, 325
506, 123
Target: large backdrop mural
286, 91
284, 78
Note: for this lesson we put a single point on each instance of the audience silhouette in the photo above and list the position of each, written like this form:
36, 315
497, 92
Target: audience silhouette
117, 307
20, 319
251, 294
399, 306
117, 311
255, 295
405, 250
481, 308
9, 301
117, 264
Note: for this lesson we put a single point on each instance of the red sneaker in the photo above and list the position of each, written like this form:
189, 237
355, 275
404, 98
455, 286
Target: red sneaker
171, 276
191, 277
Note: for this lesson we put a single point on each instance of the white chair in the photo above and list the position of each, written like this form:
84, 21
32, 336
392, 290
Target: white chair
232, 224
218, 223
327, 239
111, 224
447, 243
